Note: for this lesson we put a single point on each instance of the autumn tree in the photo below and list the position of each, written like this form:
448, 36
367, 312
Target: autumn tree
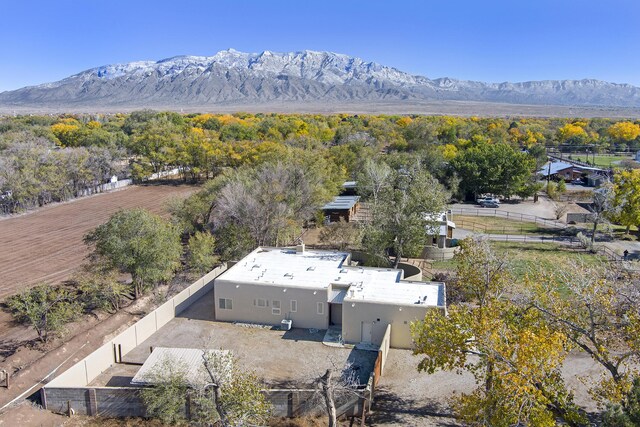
597, 311
511, 351
139, 243
624, 131
626, 200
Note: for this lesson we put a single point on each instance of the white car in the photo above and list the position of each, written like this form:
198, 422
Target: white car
488, 199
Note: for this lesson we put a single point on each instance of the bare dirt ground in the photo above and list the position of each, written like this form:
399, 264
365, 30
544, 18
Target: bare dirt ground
46, 244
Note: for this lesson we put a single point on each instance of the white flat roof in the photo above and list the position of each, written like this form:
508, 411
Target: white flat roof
316, 269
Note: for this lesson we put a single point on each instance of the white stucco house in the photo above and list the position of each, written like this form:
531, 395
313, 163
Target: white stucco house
319, 289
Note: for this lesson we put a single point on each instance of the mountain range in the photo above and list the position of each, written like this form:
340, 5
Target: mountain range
235, 78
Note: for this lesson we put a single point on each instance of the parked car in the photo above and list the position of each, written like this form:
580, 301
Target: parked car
488, 199
577, 181
489, 204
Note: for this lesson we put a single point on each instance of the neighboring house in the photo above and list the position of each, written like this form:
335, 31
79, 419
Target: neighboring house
442, 232
566, 171
344, 207
318, 289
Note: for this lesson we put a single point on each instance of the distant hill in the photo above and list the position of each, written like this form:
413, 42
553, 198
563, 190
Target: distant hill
294, 79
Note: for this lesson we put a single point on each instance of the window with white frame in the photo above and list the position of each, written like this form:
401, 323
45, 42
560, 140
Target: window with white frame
320, 308
261, 302
294, 306
225, 304
275, 307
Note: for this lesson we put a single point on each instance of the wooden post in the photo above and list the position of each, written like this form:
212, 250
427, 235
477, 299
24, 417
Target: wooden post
119, 353
6, 378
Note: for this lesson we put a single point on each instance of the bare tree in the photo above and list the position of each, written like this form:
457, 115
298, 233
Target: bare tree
375, 176
601, 208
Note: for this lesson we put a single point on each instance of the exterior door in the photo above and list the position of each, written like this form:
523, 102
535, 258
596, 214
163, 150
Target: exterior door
367, 328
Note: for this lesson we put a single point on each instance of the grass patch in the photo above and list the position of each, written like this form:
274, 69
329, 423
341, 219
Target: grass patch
601, 161
525, 257
497, 225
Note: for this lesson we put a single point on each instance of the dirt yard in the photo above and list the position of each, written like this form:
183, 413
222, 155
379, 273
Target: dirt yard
282, 359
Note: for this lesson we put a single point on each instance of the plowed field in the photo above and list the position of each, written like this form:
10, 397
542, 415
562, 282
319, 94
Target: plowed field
46, 245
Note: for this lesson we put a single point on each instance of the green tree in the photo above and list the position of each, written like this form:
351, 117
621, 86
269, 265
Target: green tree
46, 308
627, 413
139, 243
511, 351
404, 214
220, 392
100, 287
493, 168
202, 257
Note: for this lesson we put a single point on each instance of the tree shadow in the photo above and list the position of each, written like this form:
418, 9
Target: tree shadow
389, 408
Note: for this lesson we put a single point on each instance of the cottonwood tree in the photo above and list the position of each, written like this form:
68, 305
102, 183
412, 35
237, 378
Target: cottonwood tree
139, 243
626, 200
404, 213
373, 179
598, 311
602, 208
493, 168
46, 308
513, 354
271, 202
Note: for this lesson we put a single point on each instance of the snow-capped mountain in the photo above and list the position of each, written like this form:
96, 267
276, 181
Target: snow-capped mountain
230, 77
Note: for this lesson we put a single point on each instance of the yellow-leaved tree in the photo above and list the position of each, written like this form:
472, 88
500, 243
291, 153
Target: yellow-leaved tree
513, 352
624, 131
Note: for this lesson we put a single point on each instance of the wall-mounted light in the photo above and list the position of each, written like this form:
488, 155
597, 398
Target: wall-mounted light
284, 290
237, 286
315, 292
353, 304
400, 309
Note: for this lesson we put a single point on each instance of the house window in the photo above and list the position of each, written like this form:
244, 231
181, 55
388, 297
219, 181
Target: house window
261, 302
275, 304
226, 304
320, 308
294, 306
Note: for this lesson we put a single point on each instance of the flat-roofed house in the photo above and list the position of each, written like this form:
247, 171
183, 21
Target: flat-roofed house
319, 289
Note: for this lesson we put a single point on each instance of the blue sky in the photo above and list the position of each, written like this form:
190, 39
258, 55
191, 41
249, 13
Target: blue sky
493, 41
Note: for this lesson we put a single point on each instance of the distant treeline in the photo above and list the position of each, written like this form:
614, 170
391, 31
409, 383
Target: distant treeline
52, 158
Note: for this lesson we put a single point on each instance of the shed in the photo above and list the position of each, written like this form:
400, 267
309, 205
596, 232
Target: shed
344, 207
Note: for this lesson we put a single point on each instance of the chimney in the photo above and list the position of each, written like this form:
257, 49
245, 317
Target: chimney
300, 248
